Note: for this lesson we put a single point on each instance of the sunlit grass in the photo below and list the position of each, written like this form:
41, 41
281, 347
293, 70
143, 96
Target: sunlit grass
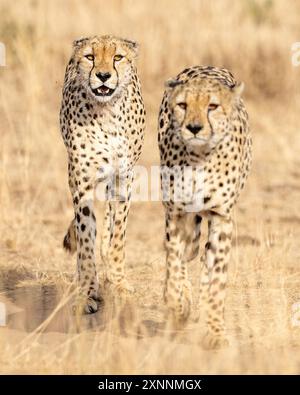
252, 39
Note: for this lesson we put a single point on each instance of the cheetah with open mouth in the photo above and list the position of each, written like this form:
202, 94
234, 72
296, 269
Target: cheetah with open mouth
102, 122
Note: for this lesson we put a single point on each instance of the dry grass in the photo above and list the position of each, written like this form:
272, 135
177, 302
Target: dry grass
253, 39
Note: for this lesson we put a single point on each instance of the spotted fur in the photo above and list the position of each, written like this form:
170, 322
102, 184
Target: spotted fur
203, 126
102, 122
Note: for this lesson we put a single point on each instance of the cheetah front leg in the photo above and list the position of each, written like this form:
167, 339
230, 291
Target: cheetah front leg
85, 229
114, 240
107, 231
177, 293
215, 277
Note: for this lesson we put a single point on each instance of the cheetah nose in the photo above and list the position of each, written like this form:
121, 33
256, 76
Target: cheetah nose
194, 128
103, 76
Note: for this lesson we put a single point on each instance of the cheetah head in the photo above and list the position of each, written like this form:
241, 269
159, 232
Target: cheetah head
201, 110
104, 65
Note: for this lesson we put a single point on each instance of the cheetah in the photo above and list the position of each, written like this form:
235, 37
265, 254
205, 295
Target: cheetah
102, 121
203, 127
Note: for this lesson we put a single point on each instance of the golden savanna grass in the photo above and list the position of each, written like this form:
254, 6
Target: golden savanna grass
253, 39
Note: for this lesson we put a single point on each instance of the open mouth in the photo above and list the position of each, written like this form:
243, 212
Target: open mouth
103, 91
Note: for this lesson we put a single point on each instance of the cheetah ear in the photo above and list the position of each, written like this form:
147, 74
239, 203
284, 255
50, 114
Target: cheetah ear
133, 46
238, 89
79, 42
172, 83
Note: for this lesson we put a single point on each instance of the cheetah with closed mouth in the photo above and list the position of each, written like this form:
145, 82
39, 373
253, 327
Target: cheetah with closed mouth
102, 122
203, 128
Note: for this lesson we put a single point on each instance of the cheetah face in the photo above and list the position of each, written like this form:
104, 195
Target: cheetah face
105, 65
201, 110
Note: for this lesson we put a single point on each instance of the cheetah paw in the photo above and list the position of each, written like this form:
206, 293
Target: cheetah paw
87, 306
181, 313
121, 289
213, 341
181, 316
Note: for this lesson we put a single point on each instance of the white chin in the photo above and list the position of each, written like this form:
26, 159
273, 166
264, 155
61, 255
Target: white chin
104, 99
196, 142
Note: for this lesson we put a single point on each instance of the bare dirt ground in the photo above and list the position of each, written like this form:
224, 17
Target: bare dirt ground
253, 40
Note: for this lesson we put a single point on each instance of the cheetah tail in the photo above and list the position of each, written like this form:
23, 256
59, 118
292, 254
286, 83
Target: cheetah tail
69, 242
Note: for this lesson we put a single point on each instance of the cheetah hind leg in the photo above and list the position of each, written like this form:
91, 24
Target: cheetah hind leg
69, 242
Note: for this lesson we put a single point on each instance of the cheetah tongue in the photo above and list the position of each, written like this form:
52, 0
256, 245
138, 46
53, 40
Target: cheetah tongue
104, 90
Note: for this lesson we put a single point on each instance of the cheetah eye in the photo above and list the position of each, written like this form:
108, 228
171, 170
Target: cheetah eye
117, 58
182, 105
90, 57
212, 106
